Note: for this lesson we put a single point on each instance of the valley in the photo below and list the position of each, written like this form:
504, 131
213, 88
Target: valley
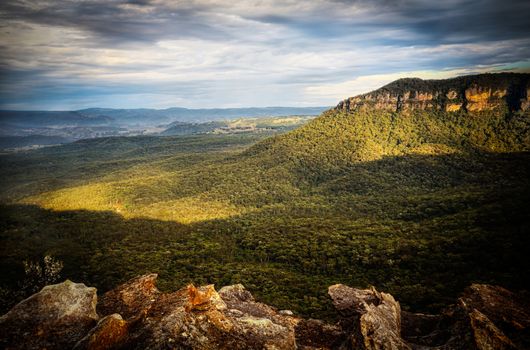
418, 202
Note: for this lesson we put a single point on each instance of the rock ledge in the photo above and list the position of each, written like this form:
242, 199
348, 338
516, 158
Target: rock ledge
136, 315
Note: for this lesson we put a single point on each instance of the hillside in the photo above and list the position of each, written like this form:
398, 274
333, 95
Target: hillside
241, 125
420, 203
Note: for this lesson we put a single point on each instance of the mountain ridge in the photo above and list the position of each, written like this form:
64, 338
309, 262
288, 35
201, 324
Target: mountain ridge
469, 93
144, 116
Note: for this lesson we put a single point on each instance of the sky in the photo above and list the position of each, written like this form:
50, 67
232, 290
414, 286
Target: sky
74, 54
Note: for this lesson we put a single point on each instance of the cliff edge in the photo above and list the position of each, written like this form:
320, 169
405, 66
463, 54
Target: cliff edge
471, 93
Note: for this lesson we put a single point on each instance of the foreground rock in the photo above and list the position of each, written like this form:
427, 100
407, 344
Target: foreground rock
110, 332
499, 318
372, 318
130, 299
55, 318
136, 315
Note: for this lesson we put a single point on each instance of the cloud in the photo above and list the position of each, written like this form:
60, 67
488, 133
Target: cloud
161, 53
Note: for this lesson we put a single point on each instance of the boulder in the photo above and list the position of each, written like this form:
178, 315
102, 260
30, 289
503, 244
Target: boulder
130, 299
352, 301
381, 325
199, 318
57, 317
487, 335
499, 318
485, 317
110, 332
63, 316
373, 319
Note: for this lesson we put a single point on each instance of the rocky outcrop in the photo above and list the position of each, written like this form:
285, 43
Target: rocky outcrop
110, 332
474, 93
499, 318
136, 315
130, 299
55, 318
373, 318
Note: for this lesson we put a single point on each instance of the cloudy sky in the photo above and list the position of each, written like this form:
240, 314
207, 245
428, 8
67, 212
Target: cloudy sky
73, 54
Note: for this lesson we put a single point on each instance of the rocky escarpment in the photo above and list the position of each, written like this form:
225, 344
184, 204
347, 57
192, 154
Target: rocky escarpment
136, 315
473, 93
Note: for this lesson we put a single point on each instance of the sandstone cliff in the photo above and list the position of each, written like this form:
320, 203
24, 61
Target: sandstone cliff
473, 93
136, 315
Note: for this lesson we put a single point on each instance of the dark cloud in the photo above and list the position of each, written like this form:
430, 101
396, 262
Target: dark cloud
115, 22
426, 22
415, 22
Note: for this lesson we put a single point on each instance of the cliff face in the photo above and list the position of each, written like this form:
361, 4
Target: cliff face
474, 93
136, 315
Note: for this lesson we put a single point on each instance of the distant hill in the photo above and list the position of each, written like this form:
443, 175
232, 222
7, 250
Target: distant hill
52, 119
241, 125
142, 117
407, 117
99, 122
165, 116
11, 142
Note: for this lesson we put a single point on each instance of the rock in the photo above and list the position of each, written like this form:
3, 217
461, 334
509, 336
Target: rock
198, 318
130, 299
57, 317
204, 298
63, 316
110, 332
381, 325
235, 294
487, 335
352, 301
485, 317
373, 318
497, 316
237, 297
286, 312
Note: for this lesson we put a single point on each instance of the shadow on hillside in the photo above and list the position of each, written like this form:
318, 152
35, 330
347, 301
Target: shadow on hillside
423, 172
424, 254
421, 227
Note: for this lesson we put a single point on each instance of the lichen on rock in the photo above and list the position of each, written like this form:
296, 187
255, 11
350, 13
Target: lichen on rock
55, 318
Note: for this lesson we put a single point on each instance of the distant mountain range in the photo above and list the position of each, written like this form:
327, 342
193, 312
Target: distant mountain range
142, 117
39, 128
